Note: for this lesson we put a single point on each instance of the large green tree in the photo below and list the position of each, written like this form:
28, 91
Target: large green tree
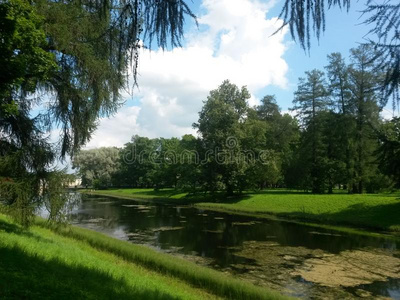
220, 128
364, 84
389, 149
138, 162
97, 167
280, 133
70, 59
342, 124
25, 153
310, 99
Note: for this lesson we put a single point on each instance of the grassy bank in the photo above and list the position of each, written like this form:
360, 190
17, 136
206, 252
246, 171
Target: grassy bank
77, 263
379, 211
164, 195
376, 211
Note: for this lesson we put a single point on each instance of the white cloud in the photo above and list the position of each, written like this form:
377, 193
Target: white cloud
115, 131
388, 114
236, 44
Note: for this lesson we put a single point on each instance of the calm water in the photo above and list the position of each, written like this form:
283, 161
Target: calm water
295, 259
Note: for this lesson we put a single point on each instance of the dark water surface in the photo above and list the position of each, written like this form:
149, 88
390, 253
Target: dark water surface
298, 260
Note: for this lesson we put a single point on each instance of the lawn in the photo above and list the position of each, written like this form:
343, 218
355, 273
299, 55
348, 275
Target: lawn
143, 194
380, 211
74, 263
376, 211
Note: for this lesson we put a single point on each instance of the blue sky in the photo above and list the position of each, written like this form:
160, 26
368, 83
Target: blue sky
344, 31
233, 41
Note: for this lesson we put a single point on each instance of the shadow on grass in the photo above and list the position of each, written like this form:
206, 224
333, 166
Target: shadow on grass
279, 192
160, 193
9, 227
13, 228
385, 216
24, 276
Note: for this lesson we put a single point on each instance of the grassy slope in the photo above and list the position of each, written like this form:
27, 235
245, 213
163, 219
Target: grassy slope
144, 194
380, 211
73, 263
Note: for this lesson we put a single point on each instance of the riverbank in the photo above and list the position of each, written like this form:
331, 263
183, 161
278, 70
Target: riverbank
165, 195
71, 262
374, 211
371, 211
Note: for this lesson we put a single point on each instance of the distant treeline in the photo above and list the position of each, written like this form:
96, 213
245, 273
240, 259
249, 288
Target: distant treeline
335, 138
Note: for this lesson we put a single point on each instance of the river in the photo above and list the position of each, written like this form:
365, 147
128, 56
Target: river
298, 260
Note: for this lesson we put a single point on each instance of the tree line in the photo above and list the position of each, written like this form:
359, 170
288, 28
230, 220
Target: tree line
334, 138
70, 59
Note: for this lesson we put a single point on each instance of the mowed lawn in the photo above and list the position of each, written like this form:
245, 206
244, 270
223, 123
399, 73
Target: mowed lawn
75, 263
147, 194
381, 211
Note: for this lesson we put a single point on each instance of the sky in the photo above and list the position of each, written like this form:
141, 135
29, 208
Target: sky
233, 41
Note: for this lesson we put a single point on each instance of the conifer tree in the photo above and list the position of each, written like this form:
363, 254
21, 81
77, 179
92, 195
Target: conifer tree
310, 99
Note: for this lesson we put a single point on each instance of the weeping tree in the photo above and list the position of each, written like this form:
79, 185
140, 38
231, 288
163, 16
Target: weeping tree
307, 17
64, 64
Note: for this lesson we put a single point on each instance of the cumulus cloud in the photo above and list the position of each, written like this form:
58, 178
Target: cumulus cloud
116, 131
234, 42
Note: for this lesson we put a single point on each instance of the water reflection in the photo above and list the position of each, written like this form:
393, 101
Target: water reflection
266, 252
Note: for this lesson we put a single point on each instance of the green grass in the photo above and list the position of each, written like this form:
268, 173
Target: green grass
375, 211
380, 211
170, 195
75, 263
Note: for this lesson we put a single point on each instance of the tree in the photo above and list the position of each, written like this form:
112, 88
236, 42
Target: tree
310, 99
167, 165
190, 174
339, 85
343, 125
389, 149
336, 167
73, 58
97, 167
364, 80
138, 162
219, 125
25, 153
280, 133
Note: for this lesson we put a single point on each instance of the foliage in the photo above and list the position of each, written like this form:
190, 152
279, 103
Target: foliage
340, 126
385, 21
23, 56
97, 166
364, 80
70, 59
220, 127
331, 143
310, 100
389, 149
22, 198
137, 165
